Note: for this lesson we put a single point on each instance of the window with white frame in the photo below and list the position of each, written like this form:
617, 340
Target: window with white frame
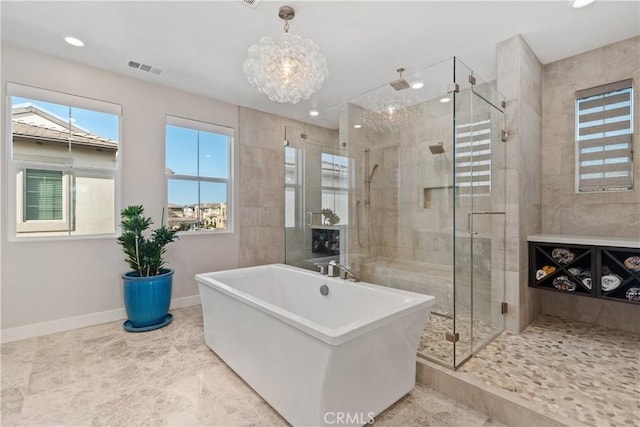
473, 157
604, 128
335, 186
198, 167
292, 186
64, 164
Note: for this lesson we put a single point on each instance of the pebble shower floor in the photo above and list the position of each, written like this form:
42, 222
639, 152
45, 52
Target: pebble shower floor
587, 374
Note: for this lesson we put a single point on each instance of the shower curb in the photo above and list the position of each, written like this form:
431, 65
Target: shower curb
492, 401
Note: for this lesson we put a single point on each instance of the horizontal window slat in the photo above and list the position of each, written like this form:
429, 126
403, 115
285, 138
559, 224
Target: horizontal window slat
618, 183
483, 144
474, 168
600, 90
606, 114
474, 184
474, 176
614, 167
605, 128
485, 124
472, 158
465, 140
609, 154
607, 100
608, 140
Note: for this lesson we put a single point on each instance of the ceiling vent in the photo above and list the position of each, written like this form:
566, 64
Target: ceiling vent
251, 3
145, 67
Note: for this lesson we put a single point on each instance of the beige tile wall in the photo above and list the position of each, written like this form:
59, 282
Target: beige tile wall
563, 210
595, 214
519, 80
261, 184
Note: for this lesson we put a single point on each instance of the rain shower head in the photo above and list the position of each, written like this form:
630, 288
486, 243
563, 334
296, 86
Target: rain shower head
437, 148
401, 83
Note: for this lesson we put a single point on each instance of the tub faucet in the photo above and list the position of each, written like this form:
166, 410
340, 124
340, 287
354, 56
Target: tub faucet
323, 266
336, 270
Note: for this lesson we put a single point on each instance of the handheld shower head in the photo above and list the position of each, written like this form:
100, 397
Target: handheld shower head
372, 172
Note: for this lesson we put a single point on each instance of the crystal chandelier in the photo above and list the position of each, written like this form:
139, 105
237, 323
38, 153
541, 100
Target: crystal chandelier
286, 72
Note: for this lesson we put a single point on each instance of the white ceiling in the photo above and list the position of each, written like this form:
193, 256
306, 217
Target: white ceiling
201, 45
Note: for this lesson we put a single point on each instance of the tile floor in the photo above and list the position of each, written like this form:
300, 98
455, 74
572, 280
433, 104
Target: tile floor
586, 373
103, 376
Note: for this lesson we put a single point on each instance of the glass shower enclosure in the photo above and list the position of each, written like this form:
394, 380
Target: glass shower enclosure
407, 189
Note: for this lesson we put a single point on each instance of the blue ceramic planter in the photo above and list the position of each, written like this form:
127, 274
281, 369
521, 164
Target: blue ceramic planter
147, 300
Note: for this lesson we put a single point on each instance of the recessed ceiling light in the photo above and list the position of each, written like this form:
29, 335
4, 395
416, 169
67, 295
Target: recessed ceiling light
74, 41
577, 4
314, 113
445, 99
357, 126
417, 85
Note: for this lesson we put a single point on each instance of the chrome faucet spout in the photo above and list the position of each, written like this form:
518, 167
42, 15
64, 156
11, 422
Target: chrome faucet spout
336, 269
347, 274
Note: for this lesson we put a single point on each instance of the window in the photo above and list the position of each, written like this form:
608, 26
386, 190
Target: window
473, 157
335, 186
604, 126
64, 164
198, 167
292, 186
43, 191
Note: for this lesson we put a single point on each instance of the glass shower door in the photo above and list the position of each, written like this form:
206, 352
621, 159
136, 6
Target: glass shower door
480, 215
316, 199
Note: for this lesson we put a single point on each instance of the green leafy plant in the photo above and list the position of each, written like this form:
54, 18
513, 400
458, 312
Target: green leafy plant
144, 255
330, 217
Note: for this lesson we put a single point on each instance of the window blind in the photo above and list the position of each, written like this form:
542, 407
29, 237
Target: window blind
473, 157
604, 128
43, 195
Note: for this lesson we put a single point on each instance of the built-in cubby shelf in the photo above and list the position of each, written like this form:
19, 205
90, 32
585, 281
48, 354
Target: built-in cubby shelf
597, 267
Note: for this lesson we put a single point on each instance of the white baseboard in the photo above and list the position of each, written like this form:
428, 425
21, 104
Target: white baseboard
76, 322
185, 301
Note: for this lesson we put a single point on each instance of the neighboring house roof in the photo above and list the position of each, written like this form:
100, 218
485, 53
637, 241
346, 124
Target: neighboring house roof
58, 131
28, 109
28, 130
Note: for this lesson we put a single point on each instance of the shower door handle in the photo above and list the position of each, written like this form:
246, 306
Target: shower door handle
310, 218
470, 215
469, 227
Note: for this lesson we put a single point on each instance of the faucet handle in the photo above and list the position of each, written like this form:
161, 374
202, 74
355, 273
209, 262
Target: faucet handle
334, 269
324, 267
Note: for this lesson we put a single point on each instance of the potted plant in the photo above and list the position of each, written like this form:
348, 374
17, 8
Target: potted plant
330, 218
147, 288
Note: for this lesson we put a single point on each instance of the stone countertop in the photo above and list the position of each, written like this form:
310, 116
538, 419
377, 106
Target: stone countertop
624, 242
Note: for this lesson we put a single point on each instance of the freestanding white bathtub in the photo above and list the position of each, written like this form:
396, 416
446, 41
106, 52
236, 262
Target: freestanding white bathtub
338, 359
